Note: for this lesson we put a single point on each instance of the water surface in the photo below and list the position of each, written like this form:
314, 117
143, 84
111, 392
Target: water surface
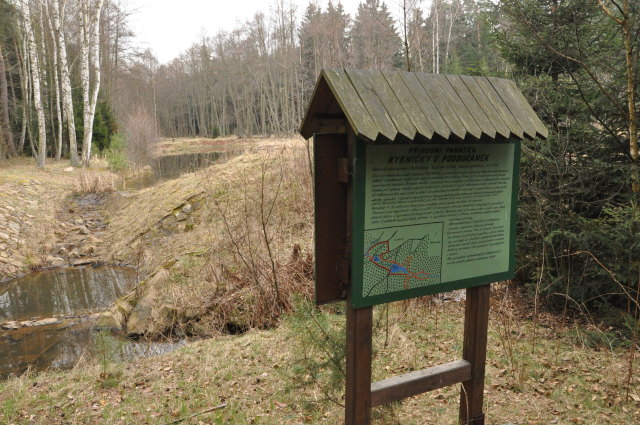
70, 295
169, 167
63, 292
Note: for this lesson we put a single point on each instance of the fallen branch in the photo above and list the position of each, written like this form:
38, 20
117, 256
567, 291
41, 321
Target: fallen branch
211, 409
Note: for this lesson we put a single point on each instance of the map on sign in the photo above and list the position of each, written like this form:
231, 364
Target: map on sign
402, 258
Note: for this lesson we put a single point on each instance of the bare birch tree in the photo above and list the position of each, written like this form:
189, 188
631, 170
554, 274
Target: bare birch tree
40, 151
454, 9
58, 17
435, 41
56, 83
89, 61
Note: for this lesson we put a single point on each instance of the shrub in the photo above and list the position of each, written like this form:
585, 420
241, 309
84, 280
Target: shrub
115, 154
318, 349
95, 182
140, 131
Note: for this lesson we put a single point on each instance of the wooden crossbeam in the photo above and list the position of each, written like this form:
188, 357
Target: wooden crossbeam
420, 381
332, 126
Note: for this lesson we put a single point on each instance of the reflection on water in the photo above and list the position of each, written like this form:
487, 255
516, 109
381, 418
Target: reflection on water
63, 292
61, 346
69, 294
173, 166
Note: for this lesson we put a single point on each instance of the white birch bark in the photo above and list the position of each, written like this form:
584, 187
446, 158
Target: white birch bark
65, 80
24, 86
84, 72
437, 40
454, 11
28, 99
433, 42
41, 150
56, 82
90, 58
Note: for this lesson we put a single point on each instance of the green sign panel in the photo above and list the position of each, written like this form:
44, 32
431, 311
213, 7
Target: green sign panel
432, 218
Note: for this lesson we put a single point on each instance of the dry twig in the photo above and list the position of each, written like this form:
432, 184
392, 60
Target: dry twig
211, 409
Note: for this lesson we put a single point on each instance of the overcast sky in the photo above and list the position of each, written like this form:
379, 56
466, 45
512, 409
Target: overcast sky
169, 27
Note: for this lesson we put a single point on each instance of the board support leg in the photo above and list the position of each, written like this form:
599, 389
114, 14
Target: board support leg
358, 356
476, 321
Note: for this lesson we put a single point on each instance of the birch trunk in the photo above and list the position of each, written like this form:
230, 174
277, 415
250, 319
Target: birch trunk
437, 37
56, 83
433, 41
41, 150
453, 16
84, 74
90, 58
65, 80
22, 66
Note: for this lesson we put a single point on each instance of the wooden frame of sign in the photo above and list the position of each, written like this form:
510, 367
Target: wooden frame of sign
416, 179
344, 262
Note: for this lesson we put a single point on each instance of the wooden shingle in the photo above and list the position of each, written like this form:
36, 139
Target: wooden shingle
392, 105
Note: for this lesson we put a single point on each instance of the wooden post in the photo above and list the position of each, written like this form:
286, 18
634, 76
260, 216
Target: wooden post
359, 330
476, 321
358, 385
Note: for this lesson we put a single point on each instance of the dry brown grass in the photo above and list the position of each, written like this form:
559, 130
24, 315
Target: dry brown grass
222, 277
181, 145
264, 218
565, 383
91, 181
238, 253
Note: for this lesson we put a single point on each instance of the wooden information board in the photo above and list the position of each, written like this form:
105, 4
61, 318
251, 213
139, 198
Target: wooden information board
431, 218
416, 183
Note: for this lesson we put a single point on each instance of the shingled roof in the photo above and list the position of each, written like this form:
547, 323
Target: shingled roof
398, 105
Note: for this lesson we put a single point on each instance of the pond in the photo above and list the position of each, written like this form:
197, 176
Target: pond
47, 319
169, 167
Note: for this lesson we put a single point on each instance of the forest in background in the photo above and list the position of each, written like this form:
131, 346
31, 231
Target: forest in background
69, 65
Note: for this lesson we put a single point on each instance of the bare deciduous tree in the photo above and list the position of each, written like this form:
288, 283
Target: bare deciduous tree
58, 17
89, 61
40, 151
140, 132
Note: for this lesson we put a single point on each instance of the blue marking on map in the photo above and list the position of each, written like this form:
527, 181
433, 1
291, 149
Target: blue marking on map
376, 259
398, 269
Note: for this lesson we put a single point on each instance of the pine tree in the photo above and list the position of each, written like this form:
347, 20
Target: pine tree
375, 43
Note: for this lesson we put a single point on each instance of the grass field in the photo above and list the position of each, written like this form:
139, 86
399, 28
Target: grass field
538, 372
